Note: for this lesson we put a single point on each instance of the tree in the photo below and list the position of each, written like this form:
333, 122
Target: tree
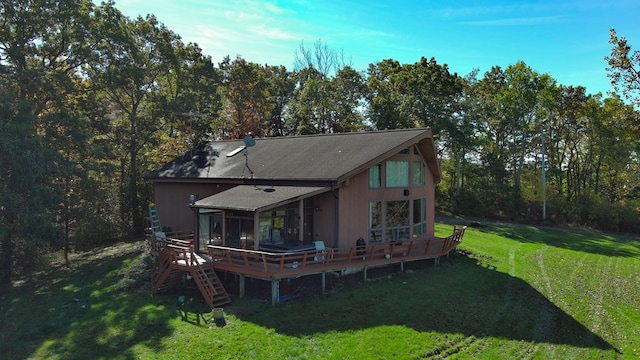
281, 84
624, 68
187, 105
424, 94
29, 201
42, 52
136, 56
326, 105
522, 102
246, 108
321, 57
388, 107
462, 135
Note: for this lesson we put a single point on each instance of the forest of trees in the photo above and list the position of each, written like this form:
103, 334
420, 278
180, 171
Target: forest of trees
91, 101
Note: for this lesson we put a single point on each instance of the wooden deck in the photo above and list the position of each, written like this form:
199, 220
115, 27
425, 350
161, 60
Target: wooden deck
274, 267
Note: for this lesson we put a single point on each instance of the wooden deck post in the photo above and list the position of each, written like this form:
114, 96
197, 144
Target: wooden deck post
242, 287
275, 292
324, 283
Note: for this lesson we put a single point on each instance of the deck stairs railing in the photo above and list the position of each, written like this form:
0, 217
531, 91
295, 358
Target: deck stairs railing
178, 259
164, 276
208, 282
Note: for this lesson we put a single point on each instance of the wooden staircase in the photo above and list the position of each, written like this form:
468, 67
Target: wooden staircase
177, 260
209, 284
165, 275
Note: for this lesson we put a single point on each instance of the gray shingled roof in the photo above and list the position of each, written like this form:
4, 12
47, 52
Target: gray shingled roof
327, 157
255, 198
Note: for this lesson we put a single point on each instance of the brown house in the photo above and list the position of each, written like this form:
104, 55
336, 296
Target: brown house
285, 194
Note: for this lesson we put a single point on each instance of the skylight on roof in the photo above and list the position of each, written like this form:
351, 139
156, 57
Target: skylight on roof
234, 152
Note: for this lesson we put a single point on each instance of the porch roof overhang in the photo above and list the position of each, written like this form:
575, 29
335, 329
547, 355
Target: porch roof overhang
257, 198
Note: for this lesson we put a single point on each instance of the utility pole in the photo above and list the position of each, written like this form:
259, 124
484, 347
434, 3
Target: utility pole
544, 180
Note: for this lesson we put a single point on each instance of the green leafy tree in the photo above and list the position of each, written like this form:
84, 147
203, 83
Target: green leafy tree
462, 139
424, 94
308, 110
523, 105
624, 68
246, 106
136, 57
42, 53
388, 107
186, 104
326, 105
28, 199
281, 84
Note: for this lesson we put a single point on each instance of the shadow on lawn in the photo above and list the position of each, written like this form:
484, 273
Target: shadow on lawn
577, 240
460, 297
80, 315
572, 239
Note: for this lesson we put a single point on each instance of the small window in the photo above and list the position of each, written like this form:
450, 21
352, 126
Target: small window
397, 173
375, 177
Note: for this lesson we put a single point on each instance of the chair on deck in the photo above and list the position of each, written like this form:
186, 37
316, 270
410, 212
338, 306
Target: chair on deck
320, 249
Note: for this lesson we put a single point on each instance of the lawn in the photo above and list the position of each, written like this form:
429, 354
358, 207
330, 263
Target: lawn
510, 292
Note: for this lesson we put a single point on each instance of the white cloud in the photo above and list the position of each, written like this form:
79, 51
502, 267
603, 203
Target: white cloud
519, 21
269, 32
273, 8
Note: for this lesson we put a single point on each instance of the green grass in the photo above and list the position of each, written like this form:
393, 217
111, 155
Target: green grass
512, 292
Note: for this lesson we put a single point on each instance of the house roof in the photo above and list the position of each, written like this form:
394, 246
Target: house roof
325, 157
255, 198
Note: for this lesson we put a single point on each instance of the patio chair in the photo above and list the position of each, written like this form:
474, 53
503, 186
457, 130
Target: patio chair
320, 249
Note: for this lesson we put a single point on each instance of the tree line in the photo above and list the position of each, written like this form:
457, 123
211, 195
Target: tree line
91, 101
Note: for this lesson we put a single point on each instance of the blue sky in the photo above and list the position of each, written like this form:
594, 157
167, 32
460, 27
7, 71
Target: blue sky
566, 39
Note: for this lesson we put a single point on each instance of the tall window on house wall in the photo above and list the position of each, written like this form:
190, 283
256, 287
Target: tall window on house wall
419, 174
419, 216
397, 220
397, 173
375, 176
375, 221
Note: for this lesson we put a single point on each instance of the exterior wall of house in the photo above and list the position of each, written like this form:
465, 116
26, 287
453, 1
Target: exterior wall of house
172, 200
354, 200
324, 219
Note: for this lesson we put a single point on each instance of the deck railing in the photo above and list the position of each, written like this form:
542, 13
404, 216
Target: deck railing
160, 240
268, 265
